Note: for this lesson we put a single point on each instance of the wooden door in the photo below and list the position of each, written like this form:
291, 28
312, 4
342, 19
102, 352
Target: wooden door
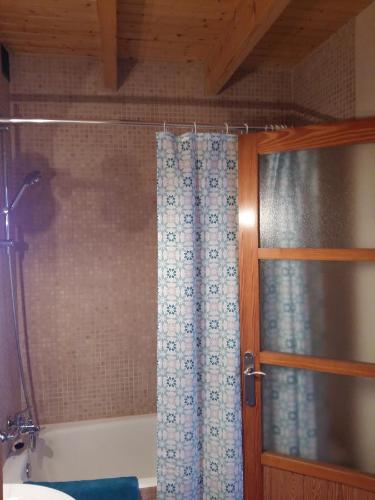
330, 170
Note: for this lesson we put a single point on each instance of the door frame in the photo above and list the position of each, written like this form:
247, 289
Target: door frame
250, 147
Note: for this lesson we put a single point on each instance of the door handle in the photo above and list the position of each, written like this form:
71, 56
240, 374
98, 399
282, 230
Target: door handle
249, 378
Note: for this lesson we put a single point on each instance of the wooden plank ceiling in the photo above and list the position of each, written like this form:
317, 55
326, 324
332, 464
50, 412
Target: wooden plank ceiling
303, 26
224, 34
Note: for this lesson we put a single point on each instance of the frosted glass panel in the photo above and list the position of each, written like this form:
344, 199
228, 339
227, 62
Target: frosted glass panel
319, 416
318, 308
318, 198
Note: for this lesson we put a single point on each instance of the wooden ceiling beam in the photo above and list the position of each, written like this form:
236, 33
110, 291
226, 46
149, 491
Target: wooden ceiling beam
250, 22
107, 17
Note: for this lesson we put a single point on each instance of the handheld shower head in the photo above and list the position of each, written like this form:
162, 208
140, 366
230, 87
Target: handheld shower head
30, 179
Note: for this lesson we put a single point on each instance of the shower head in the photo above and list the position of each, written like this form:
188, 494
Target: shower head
30, 179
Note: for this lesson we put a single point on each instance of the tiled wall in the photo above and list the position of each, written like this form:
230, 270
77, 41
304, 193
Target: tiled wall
9, 381
4, 95
90, 273
365, 62
324, 82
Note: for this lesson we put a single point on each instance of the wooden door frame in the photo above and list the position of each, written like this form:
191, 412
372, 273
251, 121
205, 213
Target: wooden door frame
250, 147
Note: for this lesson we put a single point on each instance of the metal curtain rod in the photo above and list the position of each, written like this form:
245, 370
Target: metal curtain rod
135, 123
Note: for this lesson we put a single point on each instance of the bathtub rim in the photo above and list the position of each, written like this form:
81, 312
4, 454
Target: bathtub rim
94, 421
15, 464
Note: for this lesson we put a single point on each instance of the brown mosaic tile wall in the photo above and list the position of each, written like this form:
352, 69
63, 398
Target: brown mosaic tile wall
324, 82
9, 380
4, 96
90, 273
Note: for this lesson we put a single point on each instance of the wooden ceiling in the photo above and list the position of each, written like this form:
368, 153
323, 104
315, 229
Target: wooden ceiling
224, 34
303, 26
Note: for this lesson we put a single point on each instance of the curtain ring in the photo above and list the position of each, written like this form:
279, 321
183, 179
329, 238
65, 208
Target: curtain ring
226, 128
246, 127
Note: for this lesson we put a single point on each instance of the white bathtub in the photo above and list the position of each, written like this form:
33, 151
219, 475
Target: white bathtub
91, 449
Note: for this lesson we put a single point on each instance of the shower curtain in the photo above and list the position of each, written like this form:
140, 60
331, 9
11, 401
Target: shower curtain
199, 406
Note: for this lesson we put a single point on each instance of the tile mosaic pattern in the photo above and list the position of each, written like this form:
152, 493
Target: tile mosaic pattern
4, 96
324, 82
90, 273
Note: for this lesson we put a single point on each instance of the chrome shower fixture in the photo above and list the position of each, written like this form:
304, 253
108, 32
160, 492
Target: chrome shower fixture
30, 179
25, 422
18, 426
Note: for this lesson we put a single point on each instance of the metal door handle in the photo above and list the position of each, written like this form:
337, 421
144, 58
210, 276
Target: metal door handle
252, 372
249, 378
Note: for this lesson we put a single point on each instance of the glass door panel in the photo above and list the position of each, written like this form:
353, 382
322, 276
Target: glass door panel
319, 416
318, 198
322, 309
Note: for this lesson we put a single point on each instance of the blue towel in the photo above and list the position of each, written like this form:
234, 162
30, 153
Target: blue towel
118, 488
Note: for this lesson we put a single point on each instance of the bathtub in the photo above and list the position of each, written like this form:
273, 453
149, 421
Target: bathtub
91, 449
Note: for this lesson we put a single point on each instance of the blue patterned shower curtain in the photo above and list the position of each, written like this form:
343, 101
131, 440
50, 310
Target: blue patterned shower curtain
199, 406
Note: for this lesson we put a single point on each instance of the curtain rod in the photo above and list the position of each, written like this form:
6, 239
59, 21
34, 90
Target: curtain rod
135, 123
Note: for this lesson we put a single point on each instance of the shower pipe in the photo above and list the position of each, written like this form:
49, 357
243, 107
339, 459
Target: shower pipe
135, 123
13, 279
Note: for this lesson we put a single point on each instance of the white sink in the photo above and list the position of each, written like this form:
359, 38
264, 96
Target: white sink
32, 492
